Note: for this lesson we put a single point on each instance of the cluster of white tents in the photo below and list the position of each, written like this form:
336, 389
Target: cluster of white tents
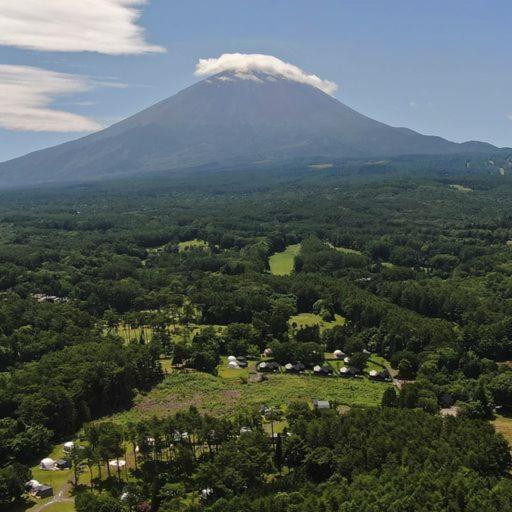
232, 362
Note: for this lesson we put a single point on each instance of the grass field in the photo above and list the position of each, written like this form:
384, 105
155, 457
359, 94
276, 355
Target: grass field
193, 244
310, 319
347, 250
461, 188
281, 263
503, 425
229, 392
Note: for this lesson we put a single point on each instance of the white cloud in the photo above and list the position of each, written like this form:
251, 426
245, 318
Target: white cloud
26, 94
104, 26
244, 64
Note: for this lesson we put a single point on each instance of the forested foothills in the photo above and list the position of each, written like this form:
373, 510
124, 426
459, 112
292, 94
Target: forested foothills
179, 329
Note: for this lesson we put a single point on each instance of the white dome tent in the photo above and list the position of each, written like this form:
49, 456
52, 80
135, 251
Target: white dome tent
69, 446
231, 359
233, 365
338, 354
47, 464
117, 463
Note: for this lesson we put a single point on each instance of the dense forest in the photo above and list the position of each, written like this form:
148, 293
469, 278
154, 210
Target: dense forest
415, 256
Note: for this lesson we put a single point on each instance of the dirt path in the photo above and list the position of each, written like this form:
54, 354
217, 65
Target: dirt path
61, 497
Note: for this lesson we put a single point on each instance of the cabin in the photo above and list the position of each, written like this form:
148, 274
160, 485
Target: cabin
383, 375
349, 371
323, 371
242, 361
295, 368
319, 405
270, 367
43, 491
63, 464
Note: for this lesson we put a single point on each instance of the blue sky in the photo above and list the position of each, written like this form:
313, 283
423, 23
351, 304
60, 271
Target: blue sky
440, 67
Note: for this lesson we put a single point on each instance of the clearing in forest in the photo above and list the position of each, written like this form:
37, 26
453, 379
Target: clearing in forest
311, 319
282, 263
193, 244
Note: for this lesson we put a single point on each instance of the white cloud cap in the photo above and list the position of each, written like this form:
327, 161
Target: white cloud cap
104, 26
245, 64
25, 96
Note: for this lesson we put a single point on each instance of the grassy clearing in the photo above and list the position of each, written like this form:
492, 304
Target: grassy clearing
348, 250
503, 425
193, 244
226, 394
310, 319
178, 332
461, 188
321, 167
281, 263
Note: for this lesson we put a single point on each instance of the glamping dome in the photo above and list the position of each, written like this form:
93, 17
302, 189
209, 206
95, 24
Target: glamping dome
344, 370
317, 369
338, 354
347, 359
288, 366
232, 359
117, 463
267, 352
206, 493
47, 464
233, 364
373, 374
69, 446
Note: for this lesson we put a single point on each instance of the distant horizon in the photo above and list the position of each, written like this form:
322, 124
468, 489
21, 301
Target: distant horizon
436, 69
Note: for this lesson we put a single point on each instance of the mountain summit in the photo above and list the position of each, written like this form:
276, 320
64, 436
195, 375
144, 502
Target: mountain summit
238, 115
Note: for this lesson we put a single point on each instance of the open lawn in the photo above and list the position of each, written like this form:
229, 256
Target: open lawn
193, 244
503, 424
281, 263
310, 319
228, 393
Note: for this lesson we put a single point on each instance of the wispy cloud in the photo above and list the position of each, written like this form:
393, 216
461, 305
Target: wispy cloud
104, 26
26, 95
245, 64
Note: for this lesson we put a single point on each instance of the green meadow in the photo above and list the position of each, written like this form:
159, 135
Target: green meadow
282, 263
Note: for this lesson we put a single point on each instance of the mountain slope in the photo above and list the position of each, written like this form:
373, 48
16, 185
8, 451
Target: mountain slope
227, 118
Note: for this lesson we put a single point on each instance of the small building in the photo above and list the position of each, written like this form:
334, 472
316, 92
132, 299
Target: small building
383, 375
31, 485
339, 354
117, 463
295, 368
69, 446
321, 404
349, 371
43, 491
270, 367
47, 464
242, 361
323, 371
206, 493
63, 464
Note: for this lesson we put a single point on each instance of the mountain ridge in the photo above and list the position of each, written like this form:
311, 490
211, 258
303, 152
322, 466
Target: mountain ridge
229, 117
